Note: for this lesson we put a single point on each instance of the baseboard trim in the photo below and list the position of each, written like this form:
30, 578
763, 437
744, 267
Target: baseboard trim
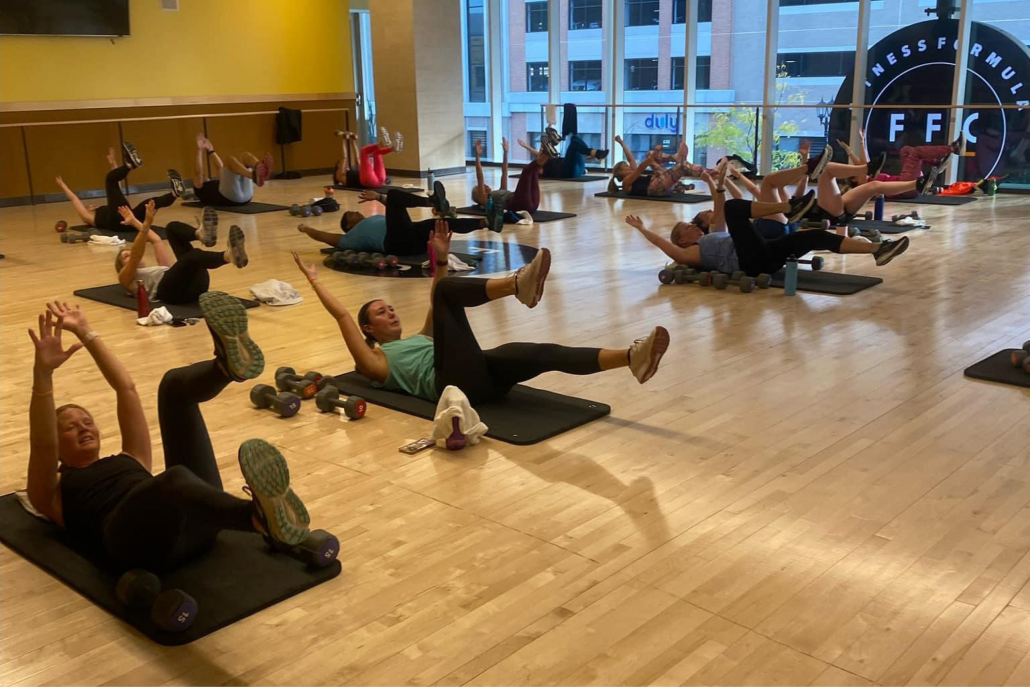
15, 201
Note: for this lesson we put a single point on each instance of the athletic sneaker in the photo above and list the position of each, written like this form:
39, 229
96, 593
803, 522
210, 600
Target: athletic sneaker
398, 142
178, 187
552, 135
496, 204
646, 353
131, 155
547, 148
237, 251
874, 167
209, 227
749, 166
613, 186
924, 185
529, 280
439, 200
799, 207
384, 137
600, 155
956, 145
268, 477
824, 159
889, 250
339, 133
226, 318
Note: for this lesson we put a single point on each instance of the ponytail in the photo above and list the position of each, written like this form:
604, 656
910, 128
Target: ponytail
363, 320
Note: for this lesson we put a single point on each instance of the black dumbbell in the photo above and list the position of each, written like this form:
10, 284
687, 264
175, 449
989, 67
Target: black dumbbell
328, 399
319, 549
817, 263
377, 260
763, 281
392, 260
287, 379
914, 215
745, 283
688, 275
1021, 357
172, 610
295, 210
821, 224
76, 236
305, 211
265, 396
867, 215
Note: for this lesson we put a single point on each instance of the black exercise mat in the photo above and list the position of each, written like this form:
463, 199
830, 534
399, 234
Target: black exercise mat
414, 260
935, 200
833, 283
525, 416
381, 189
671, 198
114, 294
488, 257
237, 578
128, 236
583, 179
251, 208
886, 226
998, 368
540, 216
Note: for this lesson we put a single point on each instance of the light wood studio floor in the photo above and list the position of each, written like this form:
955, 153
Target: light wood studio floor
809, 491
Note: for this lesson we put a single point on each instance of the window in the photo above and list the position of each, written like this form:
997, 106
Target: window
641, 12
679, 11
536, 17
703, 76
796, 64
476, 52
585, 75
584, 14
796, 3
537, 76
642, 74
471, 136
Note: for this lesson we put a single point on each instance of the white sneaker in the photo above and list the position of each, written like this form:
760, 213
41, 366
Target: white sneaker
646, 353
529, 281
384, 137
398, 142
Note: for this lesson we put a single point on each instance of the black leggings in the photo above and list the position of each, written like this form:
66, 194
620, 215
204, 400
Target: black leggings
107, 217
187, 278
570, 166
485, 375
177, 515
407, 237
757, 255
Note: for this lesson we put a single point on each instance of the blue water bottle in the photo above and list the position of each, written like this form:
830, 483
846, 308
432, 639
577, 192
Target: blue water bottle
790, 276
878, 210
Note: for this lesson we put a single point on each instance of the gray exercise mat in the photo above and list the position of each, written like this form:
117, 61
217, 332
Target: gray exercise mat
581, 179
886, 226
671, 198
251, 208
540, 216
833, 283
488, 257
935, 200
129, 235
114, 294
998, 368
238, 577
525, 416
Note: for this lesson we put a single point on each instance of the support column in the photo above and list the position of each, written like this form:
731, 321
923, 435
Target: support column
958, 85
861, 64
615, 67
495, 76
690, 75
772, 31
554, 51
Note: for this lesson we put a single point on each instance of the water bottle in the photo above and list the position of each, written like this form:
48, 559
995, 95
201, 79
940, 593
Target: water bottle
878, 210
142, 302
790, 276
430, 180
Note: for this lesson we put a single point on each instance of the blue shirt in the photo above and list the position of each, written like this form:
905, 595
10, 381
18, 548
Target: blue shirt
718, 252
367, 235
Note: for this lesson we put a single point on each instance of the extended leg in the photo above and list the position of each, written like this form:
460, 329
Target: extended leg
371, 164
188, 277
84, 213
855, 198
513, 363
163, 201
913, 157
527, 192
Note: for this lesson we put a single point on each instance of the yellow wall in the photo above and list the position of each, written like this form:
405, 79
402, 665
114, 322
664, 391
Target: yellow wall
206, 48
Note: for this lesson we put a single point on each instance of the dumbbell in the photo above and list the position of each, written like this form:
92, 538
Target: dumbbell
821, 224
320, 380
287, 379
172, 610
1021, 357
456, 440
868, 215
305, 211
317, 210
817, 263
319, 549
285, 403
763, 281
376, 260
76, 237
688, 275
328, 399
914, 215
745, 283
61, 227
295, 210
360, 259
392, 260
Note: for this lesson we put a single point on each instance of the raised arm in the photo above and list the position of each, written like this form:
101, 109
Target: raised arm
626, 151
368, 361
440, 242
717, 222
480, 181
127, 274
683, 256
504, 164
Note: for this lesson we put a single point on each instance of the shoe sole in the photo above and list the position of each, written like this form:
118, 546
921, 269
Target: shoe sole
178, 187
799, 216
875, 173
227, 319
545, 268
237, 247
209, 227
443, 206
902, 246
824, 160
658, 349
268, 477
398, 144
132, 154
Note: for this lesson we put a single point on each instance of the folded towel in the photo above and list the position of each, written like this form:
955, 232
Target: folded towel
455, 404
23, 499
454, 264
525, 219
97, 239
156, 317
275, 292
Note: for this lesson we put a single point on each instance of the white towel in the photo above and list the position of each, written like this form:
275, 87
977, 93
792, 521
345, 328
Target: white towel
911, 222
551, 114
23, 499
275, 292
453, 403
454, 264
97, 239
156, 317
525, 219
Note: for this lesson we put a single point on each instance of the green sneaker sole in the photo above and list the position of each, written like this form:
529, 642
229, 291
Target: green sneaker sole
268, 477
237, 246
227, 319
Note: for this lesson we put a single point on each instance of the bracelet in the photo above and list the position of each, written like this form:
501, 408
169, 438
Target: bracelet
89, 336
720, 190
45, 393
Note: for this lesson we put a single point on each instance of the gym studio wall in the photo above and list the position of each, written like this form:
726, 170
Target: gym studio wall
206, 49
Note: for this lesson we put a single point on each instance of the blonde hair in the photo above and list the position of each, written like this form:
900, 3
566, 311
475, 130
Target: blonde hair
620, 168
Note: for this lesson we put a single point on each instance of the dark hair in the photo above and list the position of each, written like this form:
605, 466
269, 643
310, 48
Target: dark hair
363, 319
700, 223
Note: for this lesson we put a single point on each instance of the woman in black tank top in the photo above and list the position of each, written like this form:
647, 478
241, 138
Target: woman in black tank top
115, 503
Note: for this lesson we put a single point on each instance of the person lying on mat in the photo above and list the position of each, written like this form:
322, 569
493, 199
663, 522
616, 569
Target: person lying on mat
365, 169
115, 504
232, 181
394, 233
730, 242
573, 163
182, 276
445, 351
633, 179
107, 216
526, 197
913, 159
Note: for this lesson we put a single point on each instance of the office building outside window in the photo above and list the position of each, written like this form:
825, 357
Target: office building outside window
536, 17
642, 74
642, 12
703, 77
585, 14
585, 75
537, 76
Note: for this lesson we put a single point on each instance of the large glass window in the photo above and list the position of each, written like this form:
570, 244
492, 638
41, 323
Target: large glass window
801, 64
585, 75
537, 76
642, 74
585, 14
642, 12
536, 17
476, 51
679, 11
703, 76
795, 3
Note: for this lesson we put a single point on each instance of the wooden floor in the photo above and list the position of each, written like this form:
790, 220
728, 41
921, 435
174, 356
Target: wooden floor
808, 492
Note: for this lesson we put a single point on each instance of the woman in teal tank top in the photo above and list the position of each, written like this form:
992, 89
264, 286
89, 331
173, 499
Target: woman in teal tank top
445, 351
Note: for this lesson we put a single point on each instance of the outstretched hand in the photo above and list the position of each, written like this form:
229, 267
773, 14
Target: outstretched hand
635, 222
504, 144
307, 270
50, 353
368, 196
129, 219
151, 212
440, 239
70, 318
479, 147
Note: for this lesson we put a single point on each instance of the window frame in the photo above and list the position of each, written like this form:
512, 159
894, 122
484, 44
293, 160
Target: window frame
584, 7
578, 64
534, 6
